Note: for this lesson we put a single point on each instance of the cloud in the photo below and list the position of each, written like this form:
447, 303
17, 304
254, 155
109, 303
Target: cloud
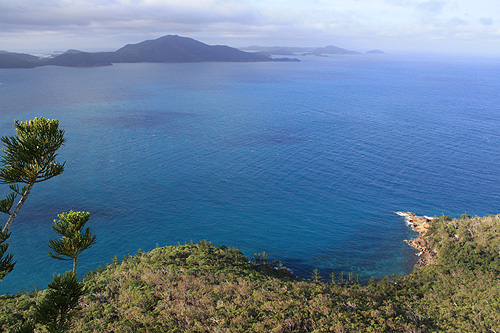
108, 24
28, 14
431, 7
487, 21
457, 22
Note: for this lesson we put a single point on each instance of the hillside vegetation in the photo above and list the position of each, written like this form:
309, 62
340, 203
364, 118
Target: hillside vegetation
203, 288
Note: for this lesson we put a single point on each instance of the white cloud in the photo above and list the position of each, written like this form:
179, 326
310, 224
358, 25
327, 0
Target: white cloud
486, 21
110, 23
431, 7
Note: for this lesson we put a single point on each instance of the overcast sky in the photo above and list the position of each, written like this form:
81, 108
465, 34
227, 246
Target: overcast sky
465, 26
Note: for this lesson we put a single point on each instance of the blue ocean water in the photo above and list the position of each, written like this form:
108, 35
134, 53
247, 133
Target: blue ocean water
306, 161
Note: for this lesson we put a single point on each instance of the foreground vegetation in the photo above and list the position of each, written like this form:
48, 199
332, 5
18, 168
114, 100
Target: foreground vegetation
202, 288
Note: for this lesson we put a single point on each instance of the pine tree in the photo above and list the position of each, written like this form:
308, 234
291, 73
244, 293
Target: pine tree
60, 302
73, 239
30, 157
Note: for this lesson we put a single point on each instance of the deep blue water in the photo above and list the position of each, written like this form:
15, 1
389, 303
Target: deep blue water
305, 161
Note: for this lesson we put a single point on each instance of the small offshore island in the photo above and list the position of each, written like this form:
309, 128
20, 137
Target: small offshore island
203, 288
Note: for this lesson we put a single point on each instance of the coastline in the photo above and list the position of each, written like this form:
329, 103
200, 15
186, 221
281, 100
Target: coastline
420, 224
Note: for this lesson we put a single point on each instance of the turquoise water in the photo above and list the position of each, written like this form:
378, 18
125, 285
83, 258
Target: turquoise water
305, 161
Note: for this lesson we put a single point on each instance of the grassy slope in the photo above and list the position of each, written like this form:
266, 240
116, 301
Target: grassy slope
201, 288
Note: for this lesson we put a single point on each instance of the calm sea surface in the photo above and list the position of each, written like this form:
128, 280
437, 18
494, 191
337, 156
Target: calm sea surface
305, 161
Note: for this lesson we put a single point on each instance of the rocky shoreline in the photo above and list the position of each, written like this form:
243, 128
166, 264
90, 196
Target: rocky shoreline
420, 224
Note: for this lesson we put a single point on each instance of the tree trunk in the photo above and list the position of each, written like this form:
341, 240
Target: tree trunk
74, 265
18, 208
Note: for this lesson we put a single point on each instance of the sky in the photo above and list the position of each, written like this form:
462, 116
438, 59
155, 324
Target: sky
397, 26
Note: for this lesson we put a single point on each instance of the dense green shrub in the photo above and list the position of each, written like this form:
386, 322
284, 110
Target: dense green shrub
203, 288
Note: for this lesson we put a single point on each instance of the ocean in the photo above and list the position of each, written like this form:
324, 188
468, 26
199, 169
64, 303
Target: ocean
306, 161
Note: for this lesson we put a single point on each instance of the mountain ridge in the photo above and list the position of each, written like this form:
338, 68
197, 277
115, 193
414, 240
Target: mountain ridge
166, 49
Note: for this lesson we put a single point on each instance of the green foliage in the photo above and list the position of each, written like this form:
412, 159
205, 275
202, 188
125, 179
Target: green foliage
470, 244
29, 158
6, 263
16, 310
59, 304
7, 203
73, 239
462, 291
316, 276
445, 218
30, 155
465, 216
202, 288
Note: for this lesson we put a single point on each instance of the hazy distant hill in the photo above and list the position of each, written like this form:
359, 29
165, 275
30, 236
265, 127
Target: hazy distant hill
74, 58
18, 60
330, 49
166, 49
278, 50
291, 51
375, 52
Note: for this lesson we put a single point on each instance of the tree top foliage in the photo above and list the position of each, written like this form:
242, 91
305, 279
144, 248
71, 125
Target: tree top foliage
74, 240
30, 156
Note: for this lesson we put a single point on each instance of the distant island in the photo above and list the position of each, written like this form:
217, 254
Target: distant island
170, 49
375, 52
304, 51
166, 49
300, 51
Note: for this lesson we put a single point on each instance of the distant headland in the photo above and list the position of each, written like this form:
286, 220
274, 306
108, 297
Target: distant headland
166, 49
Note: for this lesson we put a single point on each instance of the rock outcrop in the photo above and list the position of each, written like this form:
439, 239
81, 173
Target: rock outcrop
421, 224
